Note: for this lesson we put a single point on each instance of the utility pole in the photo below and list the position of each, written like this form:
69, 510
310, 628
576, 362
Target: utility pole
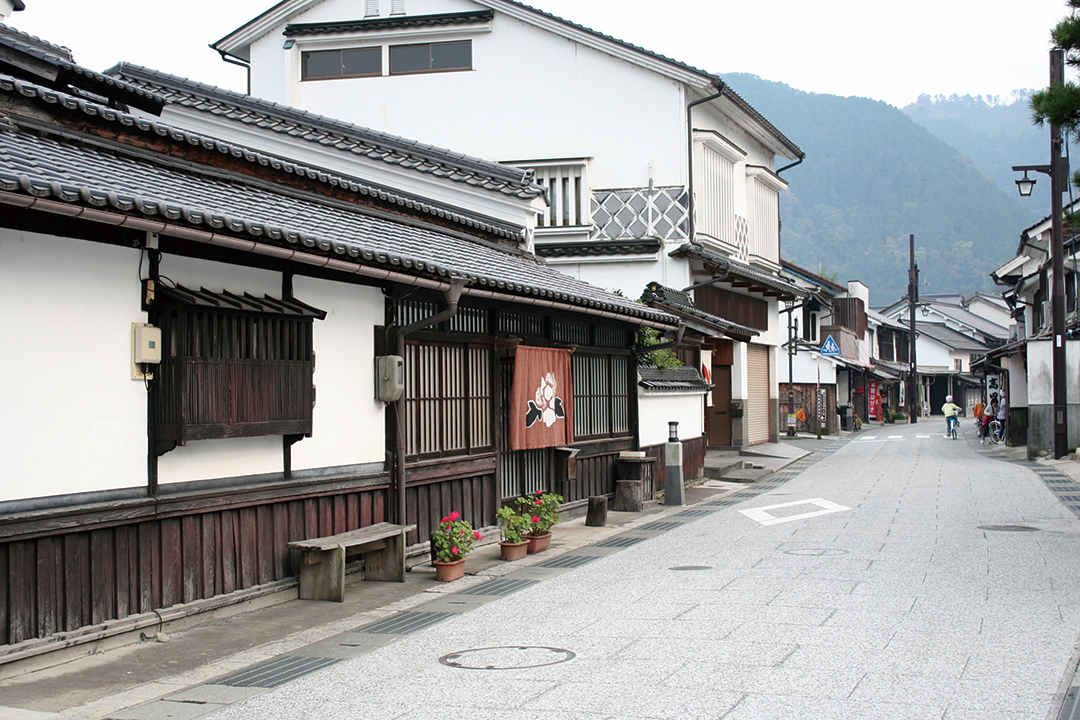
913, 301
1057, 286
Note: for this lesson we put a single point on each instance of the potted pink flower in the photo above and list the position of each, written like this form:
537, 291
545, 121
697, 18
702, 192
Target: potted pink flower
454, 539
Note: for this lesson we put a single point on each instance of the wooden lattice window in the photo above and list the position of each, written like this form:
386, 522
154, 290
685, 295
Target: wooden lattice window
448, 400
601, 395
232, 366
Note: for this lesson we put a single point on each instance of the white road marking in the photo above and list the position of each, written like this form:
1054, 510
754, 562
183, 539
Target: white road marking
763, 516
896, 437
922, 437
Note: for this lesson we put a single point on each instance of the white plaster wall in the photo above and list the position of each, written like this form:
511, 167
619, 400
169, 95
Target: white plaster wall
656, 411
1017, 392
629, 278
348, 421
805, 366
73, 419
930, 353
1040, 372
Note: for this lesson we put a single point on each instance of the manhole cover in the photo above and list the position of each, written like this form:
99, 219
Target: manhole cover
511, 657
691, 567
1009, 528
816, 552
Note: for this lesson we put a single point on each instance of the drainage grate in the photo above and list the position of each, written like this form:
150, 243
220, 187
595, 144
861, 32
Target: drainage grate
694, 513
566, 561
403, 623
744, 494
659, 525
502, 586
1009, 528
273, 673
620, 541
722, 503
1070, 498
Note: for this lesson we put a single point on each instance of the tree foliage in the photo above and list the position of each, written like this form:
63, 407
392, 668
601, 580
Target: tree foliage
1059, 104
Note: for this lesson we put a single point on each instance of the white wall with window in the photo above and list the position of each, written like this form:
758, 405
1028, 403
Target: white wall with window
345, 408
630, 120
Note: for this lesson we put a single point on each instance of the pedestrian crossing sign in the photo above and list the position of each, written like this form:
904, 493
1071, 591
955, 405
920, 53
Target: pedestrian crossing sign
830, 347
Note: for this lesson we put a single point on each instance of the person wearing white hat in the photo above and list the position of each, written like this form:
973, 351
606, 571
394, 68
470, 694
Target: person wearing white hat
951, 412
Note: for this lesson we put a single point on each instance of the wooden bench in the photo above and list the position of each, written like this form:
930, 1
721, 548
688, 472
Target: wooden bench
322, 573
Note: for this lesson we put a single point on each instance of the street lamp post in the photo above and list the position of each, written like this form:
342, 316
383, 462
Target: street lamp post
1056, 170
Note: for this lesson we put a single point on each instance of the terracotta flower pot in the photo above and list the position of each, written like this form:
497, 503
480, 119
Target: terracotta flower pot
447, 571
538, 543
514, 551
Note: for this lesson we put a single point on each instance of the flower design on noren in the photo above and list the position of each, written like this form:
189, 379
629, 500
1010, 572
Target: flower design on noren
546, 406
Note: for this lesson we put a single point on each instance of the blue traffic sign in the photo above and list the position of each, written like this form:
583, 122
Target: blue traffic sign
829, 347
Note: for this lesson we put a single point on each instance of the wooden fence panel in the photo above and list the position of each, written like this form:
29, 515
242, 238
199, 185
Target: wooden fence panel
75, 578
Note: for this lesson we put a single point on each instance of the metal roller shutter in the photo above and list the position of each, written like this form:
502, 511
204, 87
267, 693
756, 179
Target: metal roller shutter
758, 415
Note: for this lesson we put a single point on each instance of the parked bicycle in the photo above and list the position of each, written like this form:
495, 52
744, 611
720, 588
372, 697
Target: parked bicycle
996, 432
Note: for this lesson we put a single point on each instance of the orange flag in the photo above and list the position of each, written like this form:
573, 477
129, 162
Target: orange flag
801, 415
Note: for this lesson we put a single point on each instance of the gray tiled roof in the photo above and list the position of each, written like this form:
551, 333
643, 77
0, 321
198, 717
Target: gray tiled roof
394, 22
341, 135
592, 248
67, 72
671, 379
678, 301
741, 271
90, 172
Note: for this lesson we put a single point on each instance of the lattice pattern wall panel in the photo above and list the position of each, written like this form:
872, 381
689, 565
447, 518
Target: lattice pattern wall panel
742, 238
635, 213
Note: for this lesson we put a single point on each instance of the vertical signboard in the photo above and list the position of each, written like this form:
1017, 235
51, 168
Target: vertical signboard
874, 401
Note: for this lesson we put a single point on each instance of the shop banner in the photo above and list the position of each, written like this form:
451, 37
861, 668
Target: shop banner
541, 399
874, 407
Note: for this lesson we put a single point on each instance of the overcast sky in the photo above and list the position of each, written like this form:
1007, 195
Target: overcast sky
890, 51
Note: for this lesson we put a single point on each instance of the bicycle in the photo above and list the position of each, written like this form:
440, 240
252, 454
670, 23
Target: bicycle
996, 432
954, 425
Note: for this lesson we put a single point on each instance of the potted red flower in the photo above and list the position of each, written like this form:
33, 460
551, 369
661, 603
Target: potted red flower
450, 544
541, 510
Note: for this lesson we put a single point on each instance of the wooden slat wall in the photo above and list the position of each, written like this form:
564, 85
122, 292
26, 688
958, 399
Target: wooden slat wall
428, 501
62, 582
693, 459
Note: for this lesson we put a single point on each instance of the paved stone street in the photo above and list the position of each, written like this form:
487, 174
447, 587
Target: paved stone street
895, 575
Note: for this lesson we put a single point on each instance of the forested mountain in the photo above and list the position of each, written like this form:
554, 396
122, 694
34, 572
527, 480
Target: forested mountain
995, 132
871, 177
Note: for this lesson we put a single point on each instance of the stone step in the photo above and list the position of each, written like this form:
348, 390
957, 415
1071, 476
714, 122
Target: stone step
747, 475
723, 470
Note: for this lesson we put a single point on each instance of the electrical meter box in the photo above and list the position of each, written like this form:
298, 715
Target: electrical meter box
145, 350
389, 378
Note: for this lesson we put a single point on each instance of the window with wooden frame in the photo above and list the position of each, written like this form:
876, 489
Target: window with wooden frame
601, 395
344, 63
431, 57
232, 366
449, 402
